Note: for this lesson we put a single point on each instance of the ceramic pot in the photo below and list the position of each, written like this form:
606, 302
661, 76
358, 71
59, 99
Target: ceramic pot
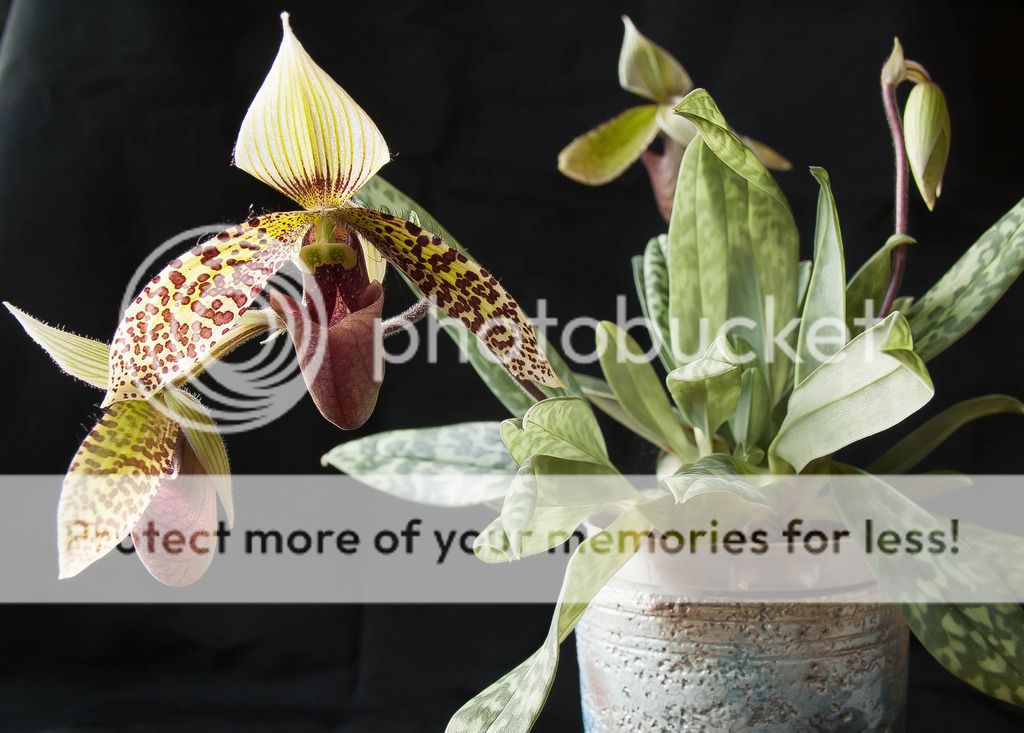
652, 659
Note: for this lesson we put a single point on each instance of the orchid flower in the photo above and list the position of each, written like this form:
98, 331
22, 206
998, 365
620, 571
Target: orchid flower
603, 154
147, 467
304, 136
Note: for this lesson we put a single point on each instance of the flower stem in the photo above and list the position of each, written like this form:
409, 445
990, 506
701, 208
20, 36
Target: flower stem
533, 390
902, 197
409, 316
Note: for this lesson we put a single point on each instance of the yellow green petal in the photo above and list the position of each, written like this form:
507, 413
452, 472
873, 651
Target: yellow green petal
647, 69
202, 434
304, 135
82, 358
459, 287
195, 302
113, 476
602, 154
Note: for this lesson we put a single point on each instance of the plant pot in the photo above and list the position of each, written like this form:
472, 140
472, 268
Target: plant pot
652, 659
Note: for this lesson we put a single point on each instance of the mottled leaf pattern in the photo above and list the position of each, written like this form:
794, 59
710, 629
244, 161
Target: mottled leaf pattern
512, 704
652, 285
563, 427
195, 302
866, 289
600, 394
824, 314
519, 506
873, 383
454, 465
112, 478
82, 358
916, 446
979, 643
971, 287
639, 390
707, 390
459, 287
733, 244
701, 110
750, 421
602, 154
305, 136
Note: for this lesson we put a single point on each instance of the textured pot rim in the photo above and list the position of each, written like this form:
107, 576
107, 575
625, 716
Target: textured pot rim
742, 578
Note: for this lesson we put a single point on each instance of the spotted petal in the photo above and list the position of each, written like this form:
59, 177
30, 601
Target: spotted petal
195, 302
305, 136
459, 287
113, 477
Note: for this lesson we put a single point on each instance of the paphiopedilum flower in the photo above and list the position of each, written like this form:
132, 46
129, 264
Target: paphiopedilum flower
304, 136
603, 154
151, 469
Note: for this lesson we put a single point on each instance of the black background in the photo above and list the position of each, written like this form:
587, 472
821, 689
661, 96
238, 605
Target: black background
116, 125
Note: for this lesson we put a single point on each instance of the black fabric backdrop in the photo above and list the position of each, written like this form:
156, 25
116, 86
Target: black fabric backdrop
116, 125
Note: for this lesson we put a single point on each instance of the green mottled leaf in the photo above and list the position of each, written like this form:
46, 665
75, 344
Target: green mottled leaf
638, 389
645, 68
701, 110
652, 284
512, 704
546, 504
707, 390
82, 358
602, 154
698, 246
823, 323
563, 427
979, 643
971, 287
729, 213
600, 394
873, 383
453, 465
927, 131
718, 487
866, 289
915, 447
803, 281
519, 506
549, 527
751, 419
